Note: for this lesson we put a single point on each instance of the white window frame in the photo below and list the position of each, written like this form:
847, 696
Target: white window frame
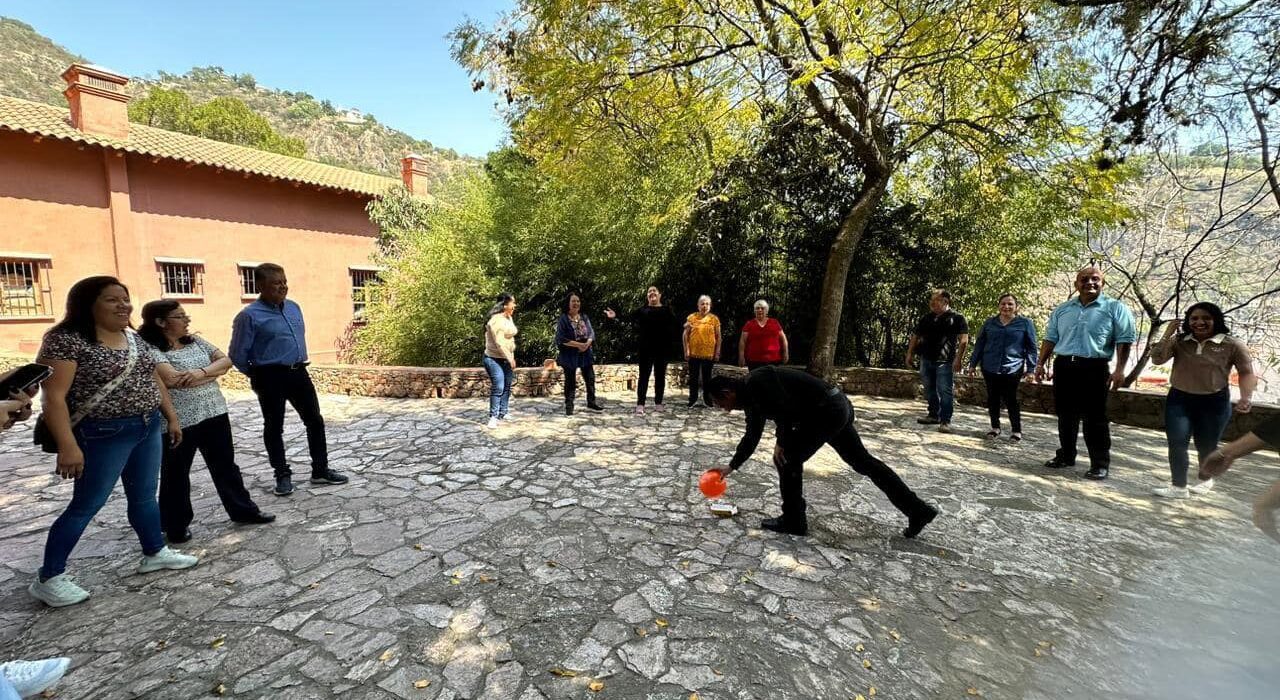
197, 277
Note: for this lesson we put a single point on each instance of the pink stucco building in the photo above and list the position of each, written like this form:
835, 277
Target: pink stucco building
84, 192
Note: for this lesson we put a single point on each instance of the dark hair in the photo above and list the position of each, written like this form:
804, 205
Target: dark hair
264, 271
80, 300
943, 293
1010, 295
1219, 319
153, 311
564, 307
722, 384
501, 302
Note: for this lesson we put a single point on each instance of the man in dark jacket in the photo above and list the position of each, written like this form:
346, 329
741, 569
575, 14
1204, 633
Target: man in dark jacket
1265, 508
808, 413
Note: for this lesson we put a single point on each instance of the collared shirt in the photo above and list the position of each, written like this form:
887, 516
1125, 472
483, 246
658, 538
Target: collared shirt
939, 335
1006, 348
788, 397
264, 334
1092, 330
1202, 367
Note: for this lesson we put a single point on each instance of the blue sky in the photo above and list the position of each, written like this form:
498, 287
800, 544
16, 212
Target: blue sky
389, 58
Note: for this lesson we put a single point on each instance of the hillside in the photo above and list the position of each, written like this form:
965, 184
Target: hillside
30, 65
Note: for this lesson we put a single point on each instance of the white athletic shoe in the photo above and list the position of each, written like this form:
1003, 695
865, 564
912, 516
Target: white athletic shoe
1203, 487
493, 422
1171, 492
166, 559
57, 592
30, 678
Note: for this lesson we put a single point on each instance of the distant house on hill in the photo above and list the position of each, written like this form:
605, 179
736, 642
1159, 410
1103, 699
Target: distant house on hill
84, 192
351, 116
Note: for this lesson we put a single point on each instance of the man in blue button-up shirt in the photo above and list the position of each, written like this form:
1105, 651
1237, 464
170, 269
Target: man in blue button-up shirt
269, 345
1083, 333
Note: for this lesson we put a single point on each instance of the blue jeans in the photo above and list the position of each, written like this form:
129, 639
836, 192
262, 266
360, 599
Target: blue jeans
939, 388
124, 449
502, 377
1201, 417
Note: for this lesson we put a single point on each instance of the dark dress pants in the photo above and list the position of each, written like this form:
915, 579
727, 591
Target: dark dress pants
655, 363
834, 426
699, 376
1080, 389
276, 385
1003, 388
571, 384
212, 437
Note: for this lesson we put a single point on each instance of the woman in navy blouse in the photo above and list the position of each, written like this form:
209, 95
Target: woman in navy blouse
574, 338
1006, 349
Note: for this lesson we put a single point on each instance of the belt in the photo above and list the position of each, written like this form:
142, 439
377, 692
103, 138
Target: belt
1077, 358
296, 365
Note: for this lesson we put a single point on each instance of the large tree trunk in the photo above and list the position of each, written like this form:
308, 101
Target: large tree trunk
840, 257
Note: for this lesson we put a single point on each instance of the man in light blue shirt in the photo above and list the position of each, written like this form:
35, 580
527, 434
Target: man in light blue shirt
1084, 332
269, 345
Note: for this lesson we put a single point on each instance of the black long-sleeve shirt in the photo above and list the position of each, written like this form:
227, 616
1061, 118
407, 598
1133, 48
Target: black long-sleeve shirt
788, 397
657, 328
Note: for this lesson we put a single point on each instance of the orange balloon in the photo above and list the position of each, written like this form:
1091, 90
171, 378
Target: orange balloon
712, 484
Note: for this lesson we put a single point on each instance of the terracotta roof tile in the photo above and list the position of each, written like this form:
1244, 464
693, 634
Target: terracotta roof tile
55, 122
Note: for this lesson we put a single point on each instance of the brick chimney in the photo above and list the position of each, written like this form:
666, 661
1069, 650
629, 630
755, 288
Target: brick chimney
415, 174
99, 103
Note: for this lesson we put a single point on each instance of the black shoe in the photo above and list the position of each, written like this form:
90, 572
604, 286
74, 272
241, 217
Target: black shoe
178, 537
786, 527
258, 518
917, 522
594, 406
928, 420
1097, 473
284, 486
328, 477
568, 410
1058, 463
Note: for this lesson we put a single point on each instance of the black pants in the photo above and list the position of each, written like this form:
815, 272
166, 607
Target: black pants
1003, 388
571, 384
655, 363
275, 385
212, 438
1080, 395
699, 376
835, 427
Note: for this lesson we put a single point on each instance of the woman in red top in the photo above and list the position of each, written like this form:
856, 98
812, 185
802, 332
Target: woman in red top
762, 342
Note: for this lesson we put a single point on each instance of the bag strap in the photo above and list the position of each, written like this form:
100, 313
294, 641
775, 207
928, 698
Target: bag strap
110, 386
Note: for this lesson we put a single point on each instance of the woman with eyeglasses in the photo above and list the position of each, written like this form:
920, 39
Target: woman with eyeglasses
190, 366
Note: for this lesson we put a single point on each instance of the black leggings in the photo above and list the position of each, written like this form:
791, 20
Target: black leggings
657, 365
1003, 388
571, 383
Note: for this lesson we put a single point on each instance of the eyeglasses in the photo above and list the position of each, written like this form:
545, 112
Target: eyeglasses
183, 317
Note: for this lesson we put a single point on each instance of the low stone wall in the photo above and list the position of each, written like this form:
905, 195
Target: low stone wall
1127, 407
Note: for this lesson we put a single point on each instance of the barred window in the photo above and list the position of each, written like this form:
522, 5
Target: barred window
181, 278
248, 283
364, 289
24, 287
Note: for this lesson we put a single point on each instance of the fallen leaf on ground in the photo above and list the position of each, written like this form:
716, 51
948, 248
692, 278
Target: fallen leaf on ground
387, 655
595, 686
485, 578
859, 696
871, 691
314, 586
642, 631
895, 635
229, 581
563, 672
219, 689
972, 691
419, 547
693, 696
552, 563
421, 684
661, 622
866, 663
218, 641
859, 648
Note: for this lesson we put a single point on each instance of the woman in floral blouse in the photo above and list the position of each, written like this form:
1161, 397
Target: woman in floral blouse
574, 338
103, 406
190, 367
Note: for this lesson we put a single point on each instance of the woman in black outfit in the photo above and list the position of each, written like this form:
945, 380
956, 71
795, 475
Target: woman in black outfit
657, 326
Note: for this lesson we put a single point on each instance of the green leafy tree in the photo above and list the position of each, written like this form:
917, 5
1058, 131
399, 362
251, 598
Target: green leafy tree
162, 108
890, 80
222, 119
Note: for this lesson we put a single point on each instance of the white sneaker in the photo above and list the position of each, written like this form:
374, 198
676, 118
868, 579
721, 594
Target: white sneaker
30, 678
493, 422
639, 410
1203, 487
166, 559
1171, 492
57, 592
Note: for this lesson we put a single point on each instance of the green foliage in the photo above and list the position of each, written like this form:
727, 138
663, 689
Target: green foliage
222, 119
305, 109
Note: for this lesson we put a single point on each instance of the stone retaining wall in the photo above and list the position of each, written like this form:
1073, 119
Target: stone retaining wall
1127, 407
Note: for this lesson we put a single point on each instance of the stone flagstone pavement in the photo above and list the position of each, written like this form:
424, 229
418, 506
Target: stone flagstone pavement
575, 558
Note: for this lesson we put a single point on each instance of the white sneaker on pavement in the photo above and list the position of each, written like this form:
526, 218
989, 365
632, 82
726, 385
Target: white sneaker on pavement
1171, 492
1203, 487
166, 559
58, 591
493, 422
30, 678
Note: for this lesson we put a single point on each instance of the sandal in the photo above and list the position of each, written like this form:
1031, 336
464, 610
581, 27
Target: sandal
1016, 437
993, 433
